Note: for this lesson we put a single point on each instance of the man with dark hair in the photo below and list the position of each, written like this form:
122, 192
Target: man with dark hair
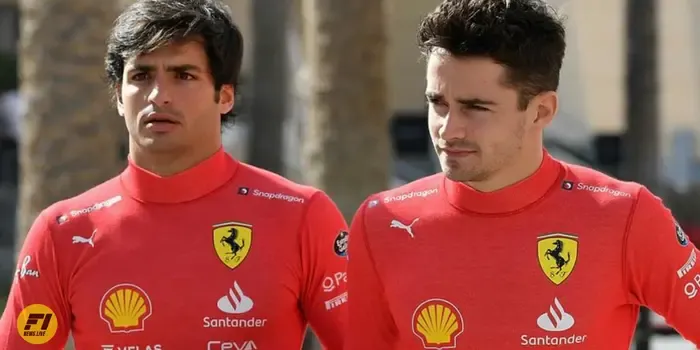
507, 247
188, 248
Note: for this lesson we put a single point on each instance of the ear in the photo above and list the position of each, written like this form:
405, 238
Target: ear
226, 99
547, 104
120, 104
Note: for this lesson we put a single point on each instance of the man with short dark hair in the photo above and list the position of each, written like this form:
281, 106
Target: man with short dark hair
508, 247
187, 248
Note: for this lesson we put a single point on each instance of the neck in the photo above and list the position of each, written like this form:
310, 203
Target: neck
169, 163
522, 167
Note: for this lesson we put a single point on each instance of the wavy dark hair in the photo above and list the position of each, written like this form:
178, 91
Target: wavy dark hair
527, 37
149, 24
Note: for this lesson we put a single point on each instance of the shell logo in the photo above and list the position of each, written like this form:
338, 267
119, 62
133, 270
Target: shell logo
437, 323
125, 307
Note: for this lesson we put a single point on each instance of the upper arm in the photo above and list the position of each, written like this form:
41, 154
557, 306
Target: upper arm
370, 320
36, 314
324, 245
661, 271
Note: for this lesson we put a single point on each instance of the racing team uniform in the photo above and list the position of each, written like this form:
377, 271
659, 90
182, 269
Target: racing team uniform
221, 256
564, 258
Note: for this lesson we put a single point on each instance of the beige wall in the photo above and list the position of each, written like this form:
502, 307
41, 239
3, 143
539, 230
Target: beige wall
680, 93
406, 69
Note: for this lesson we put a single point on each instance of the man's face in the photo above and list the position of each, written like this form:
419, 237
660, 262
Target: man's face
474, 120
168, 99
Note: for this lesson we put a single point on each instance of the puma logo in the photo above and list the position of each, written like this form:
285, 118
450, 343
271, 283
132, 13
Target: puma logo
400, 225
90, 241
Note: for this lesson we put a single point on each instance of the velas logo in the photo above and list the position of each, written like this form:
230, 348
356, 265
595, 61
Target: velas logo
37, 324
125, 307
437, 323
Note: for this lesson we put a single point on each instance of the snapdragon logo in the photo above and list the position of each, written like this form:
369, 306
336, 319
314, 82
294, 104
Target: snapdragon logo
414, 194
602, 189
97, 206
278, 196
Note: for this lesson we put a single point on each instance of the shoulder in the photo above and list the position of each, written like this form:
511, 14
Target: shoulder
80, 207
71, 216
603, 188
311, 206
260, 183
414, 196
419, 189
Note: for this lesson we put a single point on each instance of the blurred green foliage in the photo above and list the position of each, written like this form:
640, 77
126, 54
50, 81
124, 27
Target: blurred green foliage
8, 72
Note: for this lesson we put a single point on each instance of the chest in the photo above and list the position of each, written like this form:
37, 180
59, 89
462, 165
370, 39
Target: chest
199, 276
500, 279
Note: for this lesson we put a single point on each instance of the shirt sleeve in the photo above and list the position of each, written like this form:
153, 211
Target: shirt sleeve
661, 271
324, 262
36, 315
370, 320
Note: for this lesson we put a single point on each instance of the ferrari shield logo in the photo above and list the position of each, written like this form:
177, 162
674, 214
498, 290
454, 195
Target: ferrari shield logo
557, 254
232, 242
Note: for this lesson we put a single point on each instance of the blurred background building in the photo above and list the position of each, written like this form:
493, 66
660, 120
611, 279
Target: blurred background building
588, 130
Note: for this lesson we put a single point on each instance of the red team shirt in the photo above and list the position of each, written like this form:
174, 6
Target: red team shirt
223, 256
563, 258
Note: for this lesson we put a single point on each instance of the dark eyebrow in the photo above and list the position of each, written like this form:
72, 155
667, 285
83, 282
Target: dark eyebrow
468, 102
433, 96
178, 68
471, 102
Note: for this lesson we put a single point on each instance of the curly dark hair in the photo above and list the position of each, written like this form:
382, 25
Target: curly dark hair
527, 37
149, 24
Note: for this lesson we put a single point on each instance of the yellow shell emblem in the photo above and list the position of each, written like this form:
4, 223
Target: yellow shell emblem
557, 254
125, 308
437, 323
232, 242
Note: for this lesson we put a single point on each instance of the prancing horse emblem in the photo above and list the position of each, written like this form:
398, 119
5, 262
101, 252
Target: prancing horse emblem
557, 254
232, 241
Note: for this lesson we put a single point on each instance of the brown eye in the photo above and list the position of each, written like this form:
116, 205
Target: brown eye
478, 108
139, 76
185, 76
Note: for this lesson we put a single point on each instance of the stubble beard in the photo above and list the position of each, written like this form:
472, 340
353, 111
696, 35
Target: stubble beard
484, 166
460, 172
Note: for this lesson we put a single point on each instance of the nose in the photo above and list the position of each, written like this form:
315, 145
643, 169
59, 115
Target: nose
452, 127
160, 95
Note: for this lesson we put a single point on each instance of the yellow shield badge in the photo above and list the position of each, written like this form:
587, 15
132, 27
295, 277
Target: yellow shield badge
557, 254
232, 242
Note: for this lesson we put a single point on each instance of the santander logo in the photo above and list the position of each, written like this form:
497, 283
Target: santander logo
556, 320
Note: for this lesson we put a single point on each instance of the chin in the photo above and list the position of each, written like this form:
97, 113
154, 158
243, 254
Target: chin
157, 145
462, 175
454, 174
